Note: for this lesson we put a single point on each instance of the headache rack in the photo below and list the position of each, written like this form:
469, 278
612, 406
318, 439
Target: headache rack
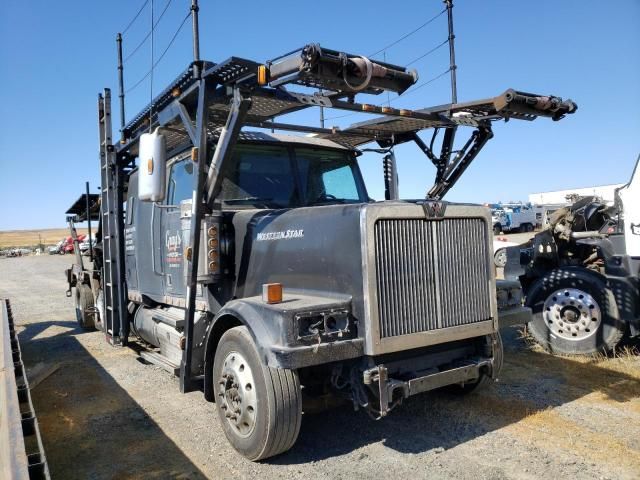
212, 102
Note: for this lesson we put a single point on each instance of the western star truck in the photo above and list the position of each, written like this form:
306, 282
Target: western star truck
256, 267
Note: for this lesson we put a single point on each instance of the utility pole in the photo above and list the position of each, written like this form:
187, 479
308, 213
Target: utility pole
452, 52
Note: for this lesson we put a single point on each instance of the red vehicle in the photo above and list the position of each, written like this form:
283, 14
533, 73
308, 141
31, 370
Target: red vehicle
67, 246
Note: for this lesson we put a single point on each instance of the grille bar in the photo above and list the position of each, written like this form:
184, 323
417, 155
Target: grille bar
431, 274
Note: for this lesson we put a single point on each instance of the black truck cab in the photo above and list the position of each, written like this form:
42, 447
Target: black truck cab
268, 175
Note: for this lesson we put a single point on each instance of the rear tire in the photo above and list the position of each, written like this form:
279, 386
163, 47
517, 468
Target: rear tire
259, 407
84, 306
574, 313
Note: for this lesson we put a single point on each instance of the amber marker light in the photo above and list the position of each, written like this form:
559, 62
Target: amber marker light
272, 292
150, 166
262, 75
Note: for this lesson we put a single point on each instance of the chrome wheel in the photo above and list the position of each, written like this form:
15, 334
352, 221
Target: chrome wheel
500, 257
236, 394
572, 314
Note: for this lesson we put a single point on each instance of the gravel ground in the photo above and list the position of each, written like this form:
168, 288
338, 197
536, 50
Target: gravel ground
105, 414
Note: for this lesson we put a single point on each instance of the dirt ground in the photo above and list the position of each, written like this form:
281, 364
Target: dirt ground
106, 415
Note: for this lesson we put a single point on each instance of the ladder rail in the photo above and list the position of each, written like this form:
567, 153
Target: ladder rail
113, 284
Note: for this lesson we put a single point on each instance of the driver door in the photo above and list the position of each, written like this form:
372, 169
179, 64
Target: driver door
180, 187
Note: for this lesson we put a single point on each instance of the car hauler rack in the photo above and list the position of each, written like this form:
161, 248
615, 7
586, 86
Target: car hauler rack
213, 102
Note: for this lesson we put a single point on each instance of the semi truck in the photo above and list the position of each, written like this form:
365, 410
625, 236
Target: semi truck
580, 276
255, 266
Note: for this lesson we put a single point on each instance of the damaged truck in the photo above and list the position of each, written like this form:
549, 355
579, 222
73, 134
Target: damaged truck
580, 276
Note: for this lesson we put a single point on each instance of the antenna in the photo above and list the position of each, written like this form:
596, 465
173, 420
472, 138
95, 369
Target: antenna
120, 85
452, 52
196, 32
151, 79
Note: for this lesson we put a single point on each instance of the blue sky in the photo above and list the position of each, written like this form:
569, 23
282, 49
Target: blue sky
56, 56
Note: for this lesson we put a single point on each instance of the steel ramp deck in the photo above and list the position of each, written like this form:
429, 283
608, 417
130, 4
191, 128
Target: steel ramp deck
306, 67
79, 208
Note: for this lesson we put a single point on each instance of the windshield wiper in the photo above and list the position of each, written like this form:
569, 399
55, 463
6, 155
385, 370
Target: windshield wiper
267, 202
247, 199
339, 201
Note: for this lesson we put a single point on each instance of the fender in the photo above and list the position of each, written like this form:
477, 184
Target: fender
234, 314
274, 330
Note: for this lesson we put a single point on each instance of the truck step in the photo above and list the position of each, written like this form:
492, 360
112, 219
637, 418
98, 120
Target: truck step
160, 361
174, 317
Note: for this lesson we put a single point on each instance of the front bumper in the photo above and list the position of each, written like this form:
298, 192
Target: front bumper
387, 387
294, 357
514, 316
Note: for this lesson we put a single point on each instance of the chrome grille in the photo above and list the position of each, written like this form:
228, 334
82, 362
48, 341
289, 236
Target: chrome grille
431, 274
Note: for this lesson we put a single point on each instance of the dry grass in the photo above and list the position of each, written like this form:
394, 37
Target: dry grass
30, 238
625, 358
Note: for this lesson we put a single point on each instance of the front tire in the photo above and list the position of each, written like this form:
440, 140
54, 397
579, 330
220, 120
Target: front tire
574, 313
259, 407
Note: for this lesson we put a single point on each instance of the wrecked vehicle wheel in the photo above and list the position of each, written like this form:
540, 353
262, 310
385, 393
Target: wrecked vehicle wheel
574, 313
500, 258
260, 408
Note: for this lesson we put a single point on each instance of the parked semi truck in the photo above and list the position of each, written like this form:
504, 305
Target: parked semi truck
254, 264
581, 275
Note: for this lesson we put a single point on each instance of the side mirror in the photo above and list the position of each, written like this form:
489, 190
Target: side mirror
152, 168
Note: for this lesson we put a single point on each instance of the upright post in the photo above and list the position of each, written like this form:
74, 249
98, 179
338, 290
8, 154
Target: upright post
450, 132
120, 86
452, 52
321, 113
199, 155
89, 223
196, 32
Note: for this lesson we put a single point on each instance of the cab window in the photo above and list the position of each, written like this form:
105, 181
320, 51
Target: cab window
259, 176
180, 182
328, 177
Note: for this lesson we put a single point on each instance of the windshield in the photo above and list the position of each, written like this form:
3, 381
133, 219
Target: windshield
282, 176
